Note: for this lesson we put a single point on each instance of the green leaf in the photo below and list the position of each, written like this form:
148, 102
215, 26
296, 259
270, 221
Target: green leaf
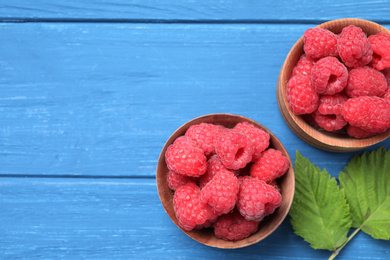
319, 212
366, 183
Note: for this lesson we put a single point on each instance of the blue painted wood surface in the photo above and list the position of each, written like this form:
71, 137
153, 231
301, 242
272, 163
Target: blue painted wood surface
90, 92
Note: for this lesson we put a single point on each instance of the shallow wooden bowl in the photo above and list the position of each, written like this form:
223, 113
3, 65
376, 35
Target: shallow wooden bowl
206, 236
318, 138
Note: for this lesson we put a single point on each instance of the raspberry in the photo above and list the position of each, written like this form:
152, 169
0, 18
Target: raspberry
381, 47
175, 180
271, 165
234, 149
259, 137
256, 199
329, 76
204, 135
329, 122
357, 132
190, 212
387, 95
214, 166
371, 114
304, 65
320, 43
185, 157
221, 192
354, 48
332, 104
301, 95
233, 227
365, 81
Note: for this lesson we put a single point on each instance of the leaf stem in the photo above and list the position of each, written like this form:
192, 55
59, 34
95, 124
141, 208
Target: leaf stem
337, 251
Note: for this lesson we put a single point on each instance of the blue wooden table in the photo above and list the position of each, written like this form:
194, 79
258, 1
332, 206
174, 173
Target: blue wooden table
90, 92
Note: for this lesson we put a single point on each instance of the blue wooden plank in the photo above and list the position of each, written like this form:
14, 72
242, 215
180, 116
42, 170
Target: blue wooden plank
56, 218
102, 99
188, 10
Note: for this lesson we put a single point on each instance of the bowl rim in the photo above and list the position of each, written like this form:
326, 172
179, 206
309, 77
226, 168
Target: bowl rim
198, 235
320, 138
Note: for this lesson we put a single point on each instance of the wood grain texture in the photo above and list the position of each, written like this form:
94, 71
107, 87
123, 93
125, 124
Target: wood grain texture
46, 218
193, 11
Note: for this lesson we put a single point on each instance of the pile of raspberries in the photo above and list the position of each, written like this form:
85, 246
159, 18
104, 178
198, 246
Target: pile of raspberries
224, 178
341, 81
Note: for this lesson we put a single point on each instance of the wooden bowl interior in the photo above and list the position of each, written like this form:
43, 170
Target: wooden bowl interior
321, 138
206, 236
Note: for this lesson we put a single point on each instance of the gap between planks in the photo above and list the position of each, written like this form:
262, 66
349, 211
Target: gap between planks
169, 21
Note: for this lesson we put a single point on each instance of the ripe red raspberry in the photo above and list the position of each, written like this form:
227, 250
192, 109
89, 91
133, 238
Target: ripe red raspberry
387, 95
365, 81
332, 104
221, 192
320, 43
271, 165
304, 65
185, 157
204, 135
234, 149
329, 76
357, 132
354, 48
259, 137
301, 95
214, 166
175, 180
381, 46
256, 199
190, 212
233, 227
329, 122
371, 114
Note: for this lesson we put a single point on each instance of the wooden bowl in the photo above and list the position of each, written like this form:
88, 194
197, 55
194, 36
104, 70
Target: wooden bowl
206, 236
322, 139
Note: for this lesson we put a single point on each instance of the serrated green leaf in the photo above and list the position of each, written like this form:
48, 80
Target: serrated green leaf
366, 183
319, 212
